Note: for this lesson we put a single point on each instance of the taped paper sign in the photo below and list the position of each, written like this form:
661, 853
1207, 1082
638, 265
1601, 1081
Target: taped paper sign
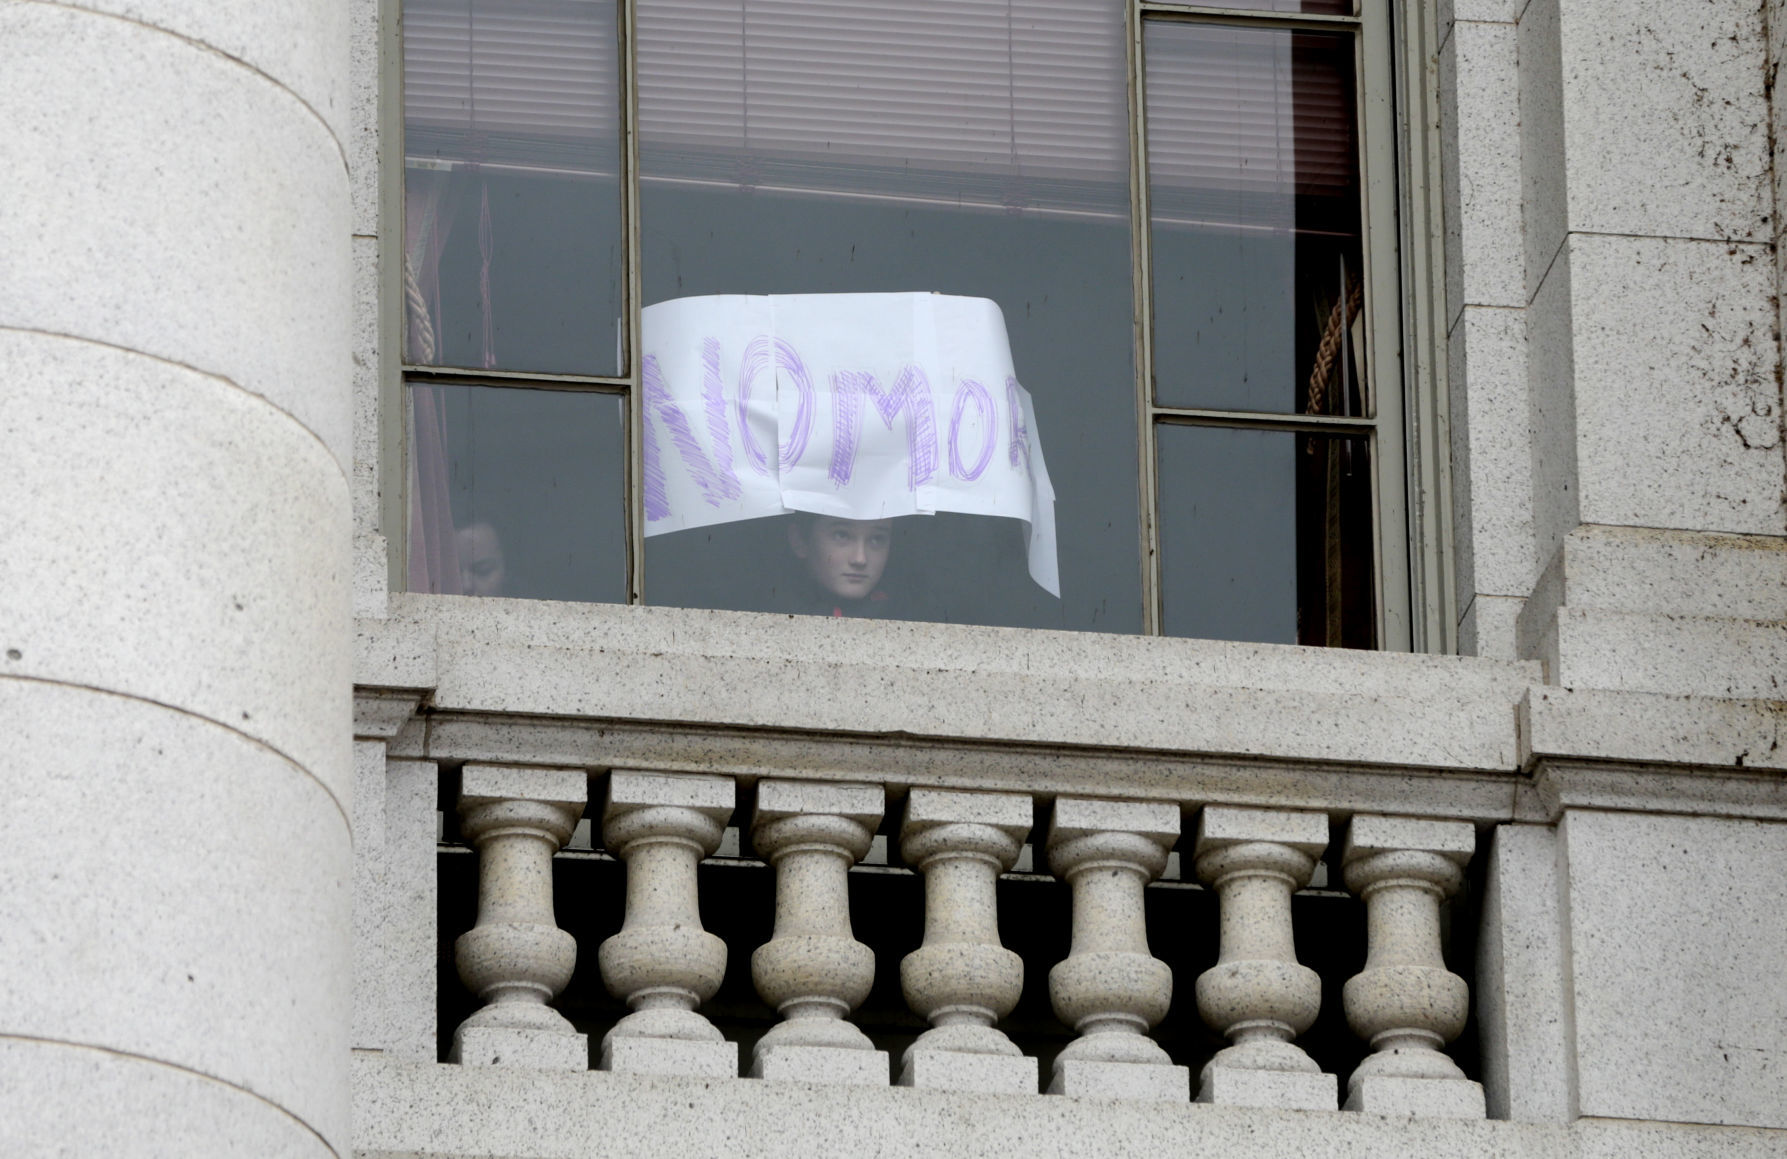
861, 406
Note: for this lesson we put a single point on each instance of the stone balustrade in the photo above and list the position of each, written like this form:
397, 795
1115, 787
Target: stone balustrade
1257, 994
1405, 1002
812, 971
662, 962
962, 981
516, 958
1110, 989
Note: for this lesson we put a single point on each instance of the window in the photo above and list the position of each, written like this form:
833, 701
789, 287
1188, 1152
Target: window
1185, 216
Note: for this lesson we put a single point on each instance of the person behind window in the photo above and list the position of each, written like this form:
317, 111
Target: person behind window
843, 560
481, 567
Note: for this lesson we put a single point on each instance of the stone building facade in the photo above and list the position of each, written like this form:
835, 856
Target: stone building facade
230, 745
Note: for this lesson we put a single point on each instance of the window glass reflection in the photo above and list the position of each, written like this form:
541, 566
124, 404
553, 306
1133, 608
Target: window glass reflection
511, 192
516, 493
962, 147
1266, 536
1254, 199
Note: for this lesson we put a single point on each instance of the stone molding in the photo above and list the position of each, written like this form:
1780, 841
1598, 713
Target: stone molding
1457, 737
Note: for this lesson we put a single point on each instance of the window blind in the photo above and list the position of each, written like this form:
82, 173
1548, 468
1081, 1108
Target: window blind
1021, 105
515, 82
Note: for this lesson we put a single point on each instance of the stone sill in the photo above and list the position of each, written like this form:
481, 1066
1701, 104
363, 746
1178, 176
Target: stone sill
438, 1111
948, 682
1198, 721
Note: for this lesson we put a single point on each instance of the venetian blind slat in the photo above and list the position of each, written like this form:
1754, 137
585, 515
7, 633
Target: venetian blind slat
949, 96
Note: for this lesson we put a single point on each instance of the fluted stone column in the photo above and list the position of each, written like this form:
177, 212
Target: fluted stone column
175, 560
962, 980
1257, 994
662, 962
1405, 1002
516, 958
813, 971
1110, 989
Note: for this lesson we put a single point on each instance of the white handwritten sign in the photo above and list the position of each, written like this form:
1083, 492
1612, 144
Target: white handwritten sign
862, 406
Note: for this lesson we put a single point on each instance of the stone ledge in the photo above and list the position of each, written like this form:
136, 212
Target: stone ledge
1628, 728
436, 1111
747, 670
1181, 721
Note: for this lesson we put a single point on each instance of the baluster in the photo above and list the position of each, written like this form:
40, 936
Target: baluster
1257, 994
962, 980
1110, 988
1405, 1002
662, 962
813, 971
516, 958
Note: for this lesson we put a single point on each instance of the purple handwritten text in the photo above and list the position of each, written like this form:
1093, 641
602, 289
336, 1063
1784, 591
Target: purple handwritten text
1019, 446
754, 362
971, 391
911, 393
657, 497
719, 431
715, 485
757, 358
787, 359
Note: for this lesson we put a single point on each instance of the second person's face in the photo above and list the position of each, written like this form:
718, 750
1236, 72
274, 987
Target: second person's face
844, 556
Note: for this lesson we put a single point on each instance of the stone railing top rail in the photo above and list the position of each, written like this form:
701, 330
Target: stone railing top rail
748, 695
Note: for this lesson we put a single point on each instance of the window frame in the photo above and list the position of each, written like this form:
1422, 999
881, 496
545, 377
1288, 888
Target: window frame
1395, 46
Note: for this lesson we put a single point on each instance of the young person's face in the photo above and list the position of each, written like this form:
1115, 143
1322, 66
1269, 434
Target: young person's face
481, 569
844, 556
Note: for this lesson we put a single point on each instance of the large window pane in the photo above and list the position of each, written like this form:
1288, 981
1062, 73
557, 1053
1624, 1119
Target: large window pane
1266, 536
1254, 198
512, 254
959, 146
517, 493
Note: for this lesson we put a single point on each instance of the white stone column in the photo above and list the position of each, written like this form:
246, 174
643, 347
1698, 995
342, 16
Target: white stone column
1257, 994
1405, 1002
962, 980
1110, 989
516, 958
175, 632
662, 962
813, 971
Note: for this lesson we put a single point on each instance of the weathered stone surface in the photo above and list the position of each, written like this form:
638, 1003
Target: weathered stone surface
953, 1070
827, 1065
1698, 950
225, 955
1423, 1098
1092, 1079
424, 1110
225, 243
396, 910
1521, 1010
76, 1101
504, 1046
1283, 1089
